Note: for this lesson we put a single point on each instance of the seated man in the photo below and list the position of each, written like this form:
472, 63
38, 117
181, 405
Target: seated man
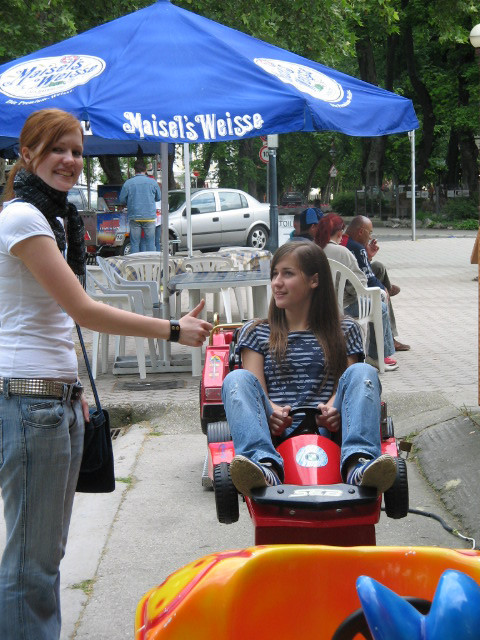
308, 224
329, 236
357, 239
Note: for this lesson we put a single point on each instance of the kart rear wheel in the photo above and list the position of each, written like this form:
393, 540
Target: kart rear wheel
203, 421
226, 496
396, 498
218, 432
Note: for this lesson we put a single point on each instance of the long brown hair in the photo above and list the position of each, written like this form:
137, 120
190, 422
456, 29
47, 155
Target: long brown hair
323, 315
42, 129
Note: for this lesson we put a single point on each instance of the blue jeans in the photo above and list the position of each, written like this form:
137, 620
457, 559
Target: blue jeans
388, 346
136, 229
40, 453
158, 240
358, 400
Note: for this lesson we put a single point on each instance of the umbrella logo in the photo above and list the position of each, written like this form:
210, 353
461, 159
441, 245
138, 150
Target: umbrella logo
307, 80
44, 77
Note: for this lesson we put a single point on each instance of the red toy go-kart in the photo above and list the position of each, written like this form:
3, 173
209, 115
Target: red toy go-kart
313, 506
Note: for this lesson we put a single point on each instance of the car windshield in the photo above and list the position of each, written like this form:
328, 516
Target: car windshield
175, 200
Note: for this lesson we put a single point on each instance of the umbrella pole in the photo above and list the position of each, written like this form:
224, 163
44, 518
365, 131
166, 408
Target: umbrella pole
188, 201
411, 135
165, 297
89, 178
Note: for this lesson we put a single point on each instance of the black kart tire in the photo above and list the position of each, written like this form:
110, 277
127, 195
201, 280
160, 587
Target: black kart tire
203, 421
226, 495
356, 624
218, 432
396, 498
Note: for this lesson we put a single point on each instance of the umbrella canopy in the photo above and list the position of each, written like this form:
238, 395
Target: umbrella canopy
163, 74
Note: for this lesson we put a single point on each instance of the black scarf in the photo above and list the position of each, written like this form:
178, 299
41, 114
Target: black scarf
53, 204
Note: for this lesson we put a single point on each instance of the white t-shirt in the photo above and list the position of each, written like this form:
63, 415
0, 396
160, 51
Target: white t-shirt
35, 333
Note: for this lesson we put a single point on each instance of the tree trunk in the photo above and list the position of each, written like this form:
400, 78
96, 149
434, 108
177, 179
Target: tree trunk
207, 152
468, 161
450, 176
111, 168
373, 148
171, 178
426, 107
245, 159
311, 174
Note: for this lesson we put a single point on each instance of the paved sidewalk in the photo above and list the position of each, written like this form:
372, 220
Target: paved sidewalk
430, 398
123, 543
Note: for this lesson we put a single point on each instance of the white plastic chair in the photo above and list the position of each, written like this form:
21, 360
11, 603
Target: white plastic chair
148, 266
116, 281
216, 263
129, 300
369, 304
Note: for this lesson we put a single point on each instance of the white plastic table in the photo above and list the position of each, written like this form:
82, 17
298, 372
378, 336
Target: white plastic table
214, 281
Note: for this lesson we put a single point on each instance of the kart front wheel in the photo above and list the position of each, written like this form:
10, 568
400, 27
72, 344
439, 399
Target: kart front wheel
218, 432
396, 498
226, 496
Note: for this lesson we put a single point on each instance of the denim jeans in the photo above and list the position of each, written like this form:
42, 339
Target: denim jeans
388, 346
158, 240
136, 235
40, 453
380, 272
357, 399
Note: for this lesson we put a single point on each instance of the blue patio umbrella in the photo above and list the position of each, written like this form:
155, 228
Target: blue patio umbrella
164, 74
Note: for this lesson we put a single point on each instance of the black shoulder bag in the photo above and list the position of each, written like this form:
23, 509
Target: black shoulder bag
96, 471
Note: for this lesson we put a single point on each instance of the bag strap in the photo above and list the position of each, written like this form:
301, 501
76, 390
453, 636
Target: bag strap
83, 280
89, 369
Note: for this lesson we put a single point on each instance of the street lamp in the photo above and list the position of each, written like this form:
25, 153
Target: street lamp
475, 40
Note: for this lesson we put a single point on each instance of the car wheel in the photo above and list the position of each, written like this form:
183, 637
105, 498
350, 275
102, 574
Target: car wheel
218, 432
226, 495
126, 248
172, 246
257, 238
396, 498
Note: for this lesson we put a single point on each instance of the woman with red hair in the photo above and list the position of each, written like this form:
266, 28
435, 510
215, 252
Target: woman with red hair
329, 236
42, 407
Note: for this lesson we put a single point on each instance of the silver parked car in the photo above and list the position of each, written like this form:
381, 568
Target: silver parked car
220, 218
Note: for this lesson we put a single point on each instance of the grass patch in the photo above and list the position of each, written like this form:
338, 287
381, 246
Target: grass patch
86, 586
128, 480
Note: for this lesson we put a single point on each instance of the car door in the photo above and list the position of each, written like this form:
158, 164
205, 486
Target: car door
235, 218
206, 227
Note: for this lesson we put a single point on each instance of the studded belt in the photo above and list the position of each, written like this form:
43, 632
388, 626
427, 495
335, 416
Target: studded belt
39, 387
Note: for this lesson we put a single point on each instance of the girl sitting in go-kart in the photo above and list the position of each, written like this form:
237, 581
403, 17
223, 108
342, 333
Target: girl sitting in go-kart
303, 354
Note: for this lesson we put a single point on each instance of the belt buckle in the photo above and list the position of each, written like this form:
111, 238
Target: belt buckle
74, 391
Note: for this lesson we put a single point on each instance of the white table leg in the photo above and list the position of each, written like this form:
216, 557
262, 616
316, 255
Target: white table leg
261, 299
193, 300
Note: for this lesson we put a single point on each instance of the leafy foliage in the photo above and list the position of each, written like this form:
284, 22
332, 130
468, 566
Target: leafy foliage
364, 38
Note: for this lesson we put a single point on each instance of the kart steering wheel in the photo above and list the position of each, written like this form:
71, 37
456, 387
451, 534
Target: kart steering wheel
308, 424
356, 622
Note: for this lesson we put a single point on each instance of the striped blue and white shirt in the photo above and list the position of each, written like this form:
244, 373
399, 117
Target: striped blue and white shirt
298, 380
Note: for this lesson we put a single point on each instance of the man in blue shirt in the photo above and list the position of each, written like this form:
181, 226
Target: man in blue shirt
140, 194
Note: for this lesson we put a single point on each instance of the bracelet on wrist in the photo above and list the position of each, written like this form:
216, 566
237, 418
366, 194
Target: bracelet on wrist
174, 331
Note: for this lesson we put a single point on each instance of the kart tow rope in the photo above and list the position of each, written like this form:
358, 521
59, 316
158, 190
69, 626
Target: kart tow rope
447, 527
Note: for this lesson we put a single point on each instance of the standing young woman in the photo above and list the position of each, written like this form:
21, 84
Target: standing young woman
303, 354
42, 410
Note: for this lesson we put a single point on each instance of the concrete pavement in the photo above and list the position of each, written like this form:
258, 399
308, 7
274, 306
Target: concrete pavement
123, 543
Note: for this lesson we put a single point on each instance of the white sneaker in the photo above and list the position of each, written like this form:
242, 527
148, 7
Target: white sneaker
390, 363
